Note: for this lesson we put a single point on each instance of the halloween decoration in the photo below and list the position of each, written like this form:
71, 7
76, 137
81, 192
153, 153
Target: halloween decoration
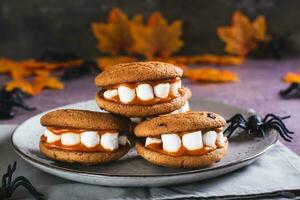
9, 100
86, 67
256, 125
9, 186
293, 91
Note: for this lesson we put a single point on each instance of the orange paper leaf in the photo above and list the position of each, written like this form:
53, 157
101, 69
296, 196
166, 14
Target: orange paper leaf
41, 82
292, 77
157, 38
210, 75
114, 36
22, 84
242, 36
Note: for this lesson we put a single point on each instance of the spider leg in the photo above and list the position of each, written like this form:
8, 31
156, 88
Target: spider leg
280, 131
292, 91
276, 117
22, 181
282, 125
8, 175
237, 117
242, 126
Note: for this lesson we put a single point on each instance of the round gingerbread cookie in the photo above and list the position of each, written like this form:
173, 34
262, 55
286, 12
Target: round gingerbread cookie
85, 158
84, 119
181, 122
185, 161
137, 72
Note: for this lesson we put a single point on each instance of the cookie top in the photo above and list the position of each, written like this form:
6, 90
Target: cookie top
84, 119
137, 72
178, 123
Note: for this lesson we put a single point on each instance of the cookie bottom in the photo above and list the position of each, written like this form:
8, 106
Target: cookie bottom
181, 161
142, 110
85, 158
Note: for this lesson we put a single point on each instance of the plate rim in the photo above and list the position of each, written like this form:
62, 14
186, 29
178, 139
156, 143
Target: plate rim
192, 171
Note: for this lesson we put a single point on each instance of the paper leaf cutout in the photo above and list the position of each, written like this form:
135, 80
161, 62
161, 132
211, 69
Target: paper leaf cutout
157, 38
209, 59
114, 36
22, 84
106, 62
210, 75
242, 36
42, 82
292, 77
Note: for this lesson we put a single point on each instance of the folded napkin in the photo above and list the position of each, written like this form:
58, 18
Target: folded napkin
275, 174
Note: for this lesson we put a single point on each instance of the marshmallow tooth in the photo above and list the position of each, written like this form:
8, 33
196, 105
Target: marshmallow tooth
162, 90
220, 139
136, 119
123, 140
171, 142
108, 94
90, 138
209, 138
110, 141
192, 141
51, 137
126, 94
150, 140
175, 87
144, 92
69, 139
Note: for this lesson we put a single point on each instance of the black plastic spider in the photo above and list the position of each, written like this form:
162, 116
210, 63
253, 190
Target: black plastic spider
293, 91
9, 186
255, 124
9, 100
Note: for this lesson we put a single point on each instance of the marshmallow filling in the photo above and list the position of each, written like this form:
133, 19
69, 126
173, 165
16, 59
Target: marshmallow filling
84, 140
144, 93
195, 143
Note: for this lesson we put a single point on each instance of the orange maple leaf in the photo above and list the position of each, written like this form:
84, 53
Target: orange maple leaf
210, 75
115, 36
157, 38
45, 81
22, 84
292, 77
242, 36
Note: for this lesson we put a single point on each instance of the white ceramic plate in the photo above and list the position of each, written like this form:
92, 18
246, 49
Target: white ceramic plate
132, 170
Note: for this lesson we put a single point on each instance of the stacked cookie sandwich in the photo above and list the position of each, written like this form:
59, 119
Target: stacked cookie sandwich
145, 95
141, 90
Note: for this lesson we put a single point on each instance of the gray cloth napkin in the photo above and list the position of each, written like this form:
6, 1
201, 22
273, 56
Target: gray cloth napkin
275, 174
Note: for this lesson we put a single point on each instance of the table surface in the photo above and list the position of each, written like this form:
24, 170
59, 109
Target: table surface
260, 82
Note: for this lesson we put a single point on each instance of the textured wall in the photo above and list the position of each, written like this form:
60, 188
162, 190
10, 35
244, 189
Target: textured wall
29, 27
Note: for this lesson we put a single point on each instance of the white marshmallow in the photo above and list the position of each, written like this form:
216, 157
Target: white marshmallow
109, 94
51, 137
192, 141
184, 108
136, 119
220, 138
144, 92
69, 139
150, 140
162, 90
90, 138
123, 140
110, 141
171, 142
126, 94
209, 138
174, 87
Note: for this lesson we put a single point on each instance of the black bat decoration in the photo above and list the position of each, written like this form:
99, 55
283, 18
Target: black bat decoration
255, 124
293, 91
9, 100
9, 186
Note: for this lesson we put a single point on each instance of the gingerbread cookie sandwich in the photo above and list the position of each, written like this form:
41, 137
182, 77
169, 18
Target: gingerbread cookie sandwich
141, 89
184, 140
85, 137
